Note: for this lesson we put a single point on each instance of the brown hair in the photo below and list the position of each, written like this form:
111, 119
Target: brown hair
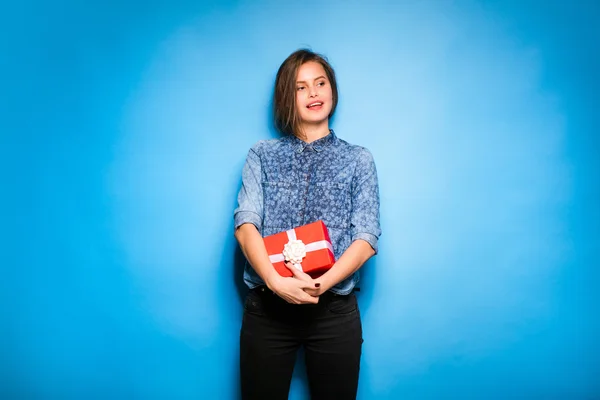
284, 101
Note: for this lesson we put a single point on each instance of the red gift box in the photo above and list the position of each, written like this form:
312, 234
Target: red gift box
317, 247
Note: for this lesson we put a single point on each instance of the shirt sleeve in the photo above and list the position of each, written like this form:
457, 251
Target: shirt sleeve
250, 196
364, 220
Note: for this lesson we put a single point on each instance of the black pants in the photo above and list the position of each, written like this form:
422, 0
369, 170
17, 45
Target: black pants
273, 330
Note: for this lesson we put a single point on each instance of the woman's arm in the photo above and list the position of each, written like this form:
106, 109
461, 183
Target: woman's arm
364, 224
353, 258
248, 222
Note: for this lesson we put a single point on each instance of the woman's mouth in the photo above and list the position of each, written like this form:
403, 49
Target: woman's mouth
317, 105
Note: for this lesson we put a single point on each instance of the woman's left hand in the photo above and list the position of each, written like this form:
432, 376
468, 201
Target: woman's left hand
303, 276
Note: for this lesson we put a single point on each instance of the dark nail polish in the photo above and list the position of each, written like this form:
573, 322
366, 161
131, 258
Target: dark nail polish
317, 285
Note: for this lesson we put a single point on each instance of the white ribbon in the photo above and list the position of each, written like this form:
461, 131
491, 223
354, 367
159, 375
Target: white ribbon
314, 246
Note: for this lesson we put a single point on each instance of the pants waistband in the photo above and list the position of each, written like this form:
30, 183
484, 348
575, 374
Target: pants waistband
265, 289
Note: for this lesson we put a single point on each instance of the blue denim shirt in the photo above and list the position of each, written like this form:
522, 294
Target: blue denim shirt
287, 183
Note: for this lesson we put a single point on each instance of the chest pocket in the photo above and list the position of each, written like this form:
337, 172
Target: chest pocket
331, 202
279, 199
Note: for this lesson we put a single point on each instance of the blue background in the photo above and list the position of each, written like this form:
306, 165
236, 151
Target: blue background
123, 130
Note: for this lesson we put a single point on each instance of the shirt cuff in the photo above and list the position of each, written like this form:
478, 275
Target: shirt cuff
247, 217
367, 237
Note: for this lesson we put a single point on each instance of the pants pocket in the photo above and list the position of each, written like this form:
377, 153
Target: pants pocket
254, 304
343, 304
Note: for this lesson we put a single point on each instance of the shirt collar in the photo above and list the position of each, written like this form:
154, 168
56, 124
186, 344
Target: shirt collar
318, 145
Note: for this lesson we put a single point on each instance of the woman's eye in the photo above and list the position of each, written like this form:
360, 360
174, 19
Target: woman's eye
321, 83
300, 88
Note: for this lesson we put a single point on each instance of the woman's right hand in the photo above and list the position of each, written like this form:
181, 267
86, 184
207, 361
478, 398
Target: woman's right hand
292, 290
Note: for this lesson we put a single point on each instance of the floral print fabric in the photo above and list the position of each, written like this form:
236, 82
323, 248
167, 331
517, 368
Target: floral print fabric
288, 183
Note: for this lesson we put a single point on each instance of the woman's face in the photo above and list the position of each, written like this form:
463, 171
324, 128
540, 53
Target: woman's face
313, 94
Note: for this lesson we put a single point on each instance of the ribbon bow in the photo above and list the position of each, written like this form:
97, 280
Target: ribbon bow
295, 250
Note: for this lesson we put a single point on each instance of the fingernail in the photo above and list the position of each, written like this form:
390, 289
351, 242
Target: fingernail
317, 285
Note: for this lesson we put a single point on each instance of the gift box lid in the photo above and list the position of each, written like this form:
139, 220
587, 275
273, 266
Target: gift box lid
308, 233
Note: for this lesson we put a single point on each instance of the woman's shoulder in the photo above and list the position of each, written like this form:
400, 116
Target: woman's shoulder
358, 152
267, 145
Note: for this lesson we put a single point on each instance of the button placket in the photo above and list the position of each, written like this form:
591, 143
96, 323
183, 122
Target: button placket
306, 182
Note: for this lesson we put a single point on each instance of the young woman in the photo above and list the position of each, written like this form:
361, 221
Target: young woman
307, 175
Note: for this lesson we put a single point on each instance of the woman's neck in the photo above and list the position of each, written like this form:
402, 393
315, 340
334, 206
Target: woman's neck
314, 132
